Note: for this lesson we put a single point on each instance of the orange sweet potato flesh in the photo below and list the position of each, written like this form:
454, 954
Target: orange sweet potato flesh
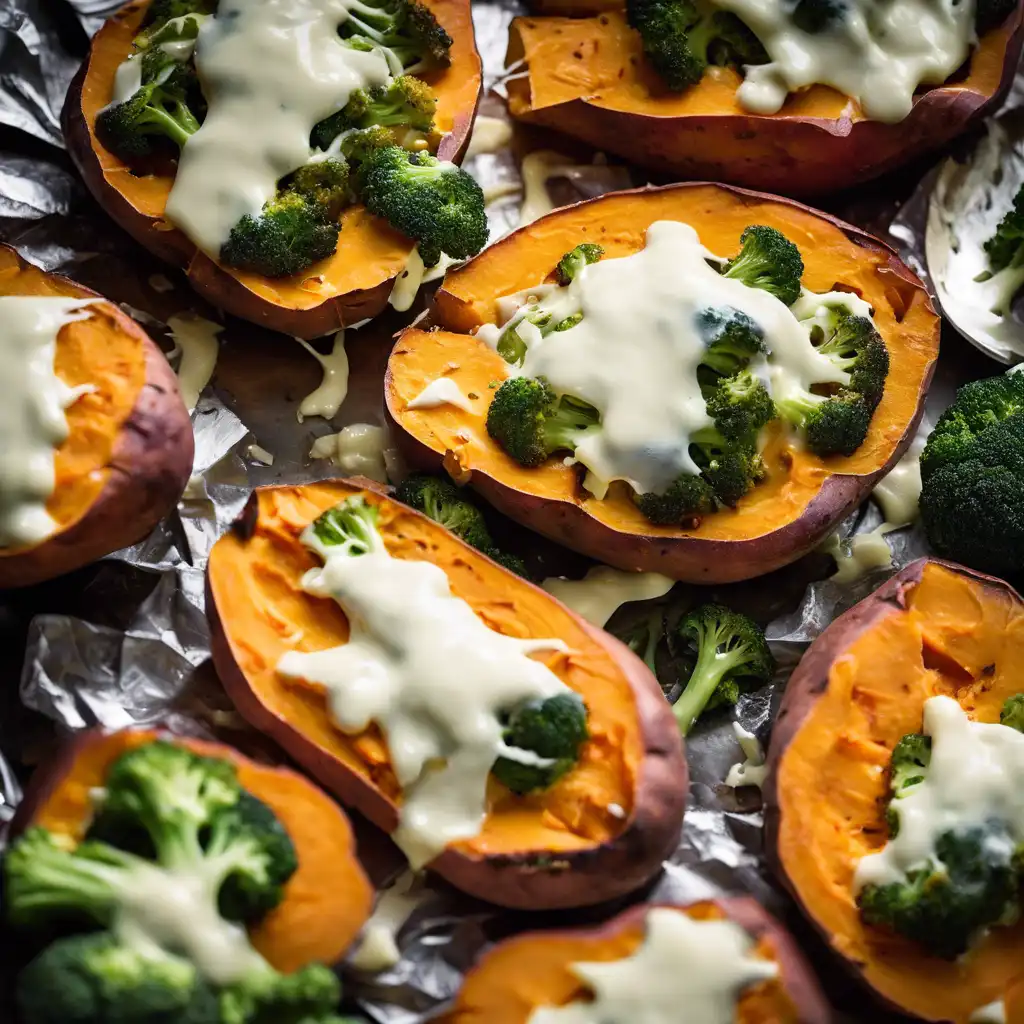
933, 629
781, 518
327, 900
349, 286
128, 453
588, 77
533, 970
633, 758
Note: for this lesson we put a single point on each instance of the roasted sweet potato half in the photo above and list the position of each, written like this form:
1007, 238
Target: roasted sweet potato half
326, 901
349, 286
531, 971
586, 76
128, 453
781, 518
598, 832
933, 629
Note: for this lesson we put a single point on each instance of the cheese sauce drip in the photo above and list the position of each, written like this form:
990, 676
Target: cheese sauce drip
635, 354
685, 970
443, 391
974, 775
422, 666
604, 590
32, 403
878, 52
270, 71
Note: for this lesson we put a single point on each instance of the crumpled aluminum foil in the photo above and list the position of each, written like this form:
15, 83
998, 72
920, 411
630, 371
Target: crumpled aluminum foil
132, 646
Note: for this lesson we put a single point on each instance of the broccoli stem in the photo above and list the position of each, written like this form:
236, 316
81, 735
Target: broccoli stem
711, 668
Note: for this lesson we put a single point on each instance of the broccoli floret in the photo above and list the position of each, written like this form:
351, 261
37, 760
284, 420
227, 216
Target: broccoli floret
680, 39
158, 109
729, 653
87, 979
553, 729
511, 346
731, 468
688, 498
973, 883
289, 236
265, 997
990, 14
731, 339
1005, 251
575, 260
858, 349
770, 261
446, 504
834, 425
406, 28
530, 422
907, 767
352, 525
645, 636
740, 406
1012, 713
323, 184
408, 102
972, 473
814, 16
434, 202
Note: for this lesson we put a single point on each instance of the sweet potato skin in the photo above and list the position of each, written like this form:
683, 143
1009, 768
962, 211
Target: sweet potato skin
799, 981
809, 682
150, 466
216, 284
792, 154
682, 556
528, 881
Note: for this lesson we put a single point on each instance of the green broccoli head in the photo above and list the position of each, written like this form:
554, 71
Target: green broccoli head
972, 473
1012, 713
907, 769
553, 729
448, 505
407, 102
158, 109
509, 561
731, 468
770, 261
729, 653
406, 28
858, 349
86, 979
530, 422
815, 16
307, 996
687, 499
731, 339
973, 884
323, 184
1006, 247
835, 425
575, 260
289, 236
740, 406
434, 202
351, 525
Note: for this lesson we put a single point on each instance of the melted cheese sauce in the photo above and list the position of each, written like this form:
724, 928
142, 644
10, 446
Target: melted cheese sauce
899, 491
540, 166
974, 775
195, 342
647, 390
753, 770
702, 966
378, 945
878, 54
327, 398
442, 728
359, 450
270, 72
990, 1013
32, 403
443, 391
604, 590
860, 554
490, 135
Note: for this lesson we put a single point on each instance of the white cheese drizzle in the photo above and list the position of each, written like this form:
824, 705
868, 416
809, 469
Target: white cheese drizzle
359, 450
697, 968
270, 72
326, 400
990, 1013
378, 945
899, 491
878, 54
443, 391
860, 554
540, 166
604, 590
974, 775
442, 727
752, 771
195, 342
32, 403
490, 135
635, 354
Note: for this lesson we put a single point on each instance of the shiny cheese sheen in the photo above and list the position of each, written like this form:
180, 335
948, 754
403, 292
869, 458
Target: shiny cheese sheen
271, 69
421, 665
685, 970
975, 774
443, 391
32, 403
635, 354
604, 590
878, 54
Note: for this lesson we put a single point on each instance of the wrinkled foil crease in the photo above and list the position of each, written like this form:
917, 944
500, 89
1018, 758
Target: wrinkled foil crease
148, 661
